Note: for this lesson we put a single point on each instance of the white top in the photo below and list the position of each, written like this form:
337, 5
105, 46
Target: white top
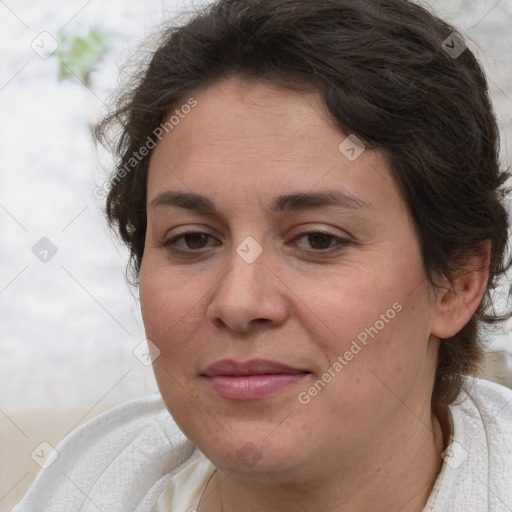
134, 458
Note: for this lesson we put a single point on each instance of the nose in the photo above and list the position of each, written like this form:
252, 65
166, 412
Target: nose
248, 295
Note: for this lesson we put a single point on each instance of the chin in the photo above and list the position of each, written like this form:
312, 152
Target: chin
251, 457
255, 447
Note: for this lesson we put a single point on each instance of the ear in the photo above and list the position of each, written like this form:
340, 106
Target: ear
458, 300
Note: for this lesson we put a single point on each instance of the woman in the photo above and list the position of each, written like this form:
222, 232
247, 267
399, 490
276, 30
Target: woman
312, 199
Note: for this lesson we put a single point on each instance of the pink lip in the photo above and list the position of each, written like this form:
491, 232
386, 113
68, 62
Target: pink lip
252, 380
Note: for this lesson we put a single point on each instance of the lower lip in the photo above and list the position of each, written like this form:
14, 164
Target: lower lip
253, 387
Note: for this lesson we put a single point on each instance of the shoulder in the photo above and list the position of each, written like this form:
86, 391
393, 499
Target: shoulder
483, 416
116, 461
477, 467
487, 408
492, 401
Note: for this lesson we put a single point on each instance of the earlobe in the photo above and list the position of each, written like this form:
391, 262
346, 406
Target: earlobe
459, 299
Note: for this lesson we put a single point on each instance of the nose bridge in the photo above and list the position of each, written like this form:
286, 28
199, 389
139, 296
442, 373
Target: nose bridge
246, 276
246, 293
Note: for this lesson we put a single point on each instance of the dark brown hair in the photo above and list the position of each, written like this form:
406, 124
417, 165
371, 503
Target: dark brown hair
385, 76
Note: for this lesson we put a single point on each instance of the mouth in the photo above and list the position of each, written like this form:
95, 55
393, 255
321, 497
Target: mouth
252, 380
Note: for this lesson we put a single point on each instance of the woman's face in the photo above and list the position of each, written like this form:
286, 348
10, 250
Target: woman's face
283, 286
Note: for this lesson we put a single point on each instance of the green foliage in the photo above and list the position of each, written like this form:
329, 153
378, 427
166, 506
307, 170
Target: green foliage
79, 55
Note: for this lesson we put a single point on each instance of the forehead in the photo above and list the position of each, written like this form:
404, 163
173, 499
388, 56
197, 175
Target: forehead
238, 115
252, 136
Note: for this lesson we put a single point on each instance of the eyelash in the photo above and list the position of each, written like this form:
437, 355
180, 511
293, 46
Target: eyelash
340, 242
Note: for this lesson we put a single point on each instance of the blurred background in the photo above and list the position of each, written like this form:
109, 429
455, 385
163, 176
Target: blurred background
70, 328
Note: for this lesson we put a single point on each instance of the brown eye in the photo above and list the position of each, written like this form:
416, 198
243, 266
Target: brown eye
196, 240
192, 241
320, 241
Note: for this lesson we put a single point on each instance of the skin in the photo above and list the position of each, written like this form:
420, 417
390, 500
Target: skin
368, 439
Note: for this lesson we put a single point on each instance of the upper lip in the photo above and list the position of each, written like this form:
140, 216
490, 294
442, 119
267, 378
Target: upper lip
233, 368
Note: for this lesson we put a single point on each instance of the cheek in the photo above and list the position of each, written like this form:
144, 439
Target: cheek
347, 307
383, 363
371, 321
153, 301
168, 302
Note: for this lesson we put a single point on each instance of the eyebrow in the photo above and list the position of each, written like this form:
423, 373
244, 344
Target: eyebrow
286, 202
